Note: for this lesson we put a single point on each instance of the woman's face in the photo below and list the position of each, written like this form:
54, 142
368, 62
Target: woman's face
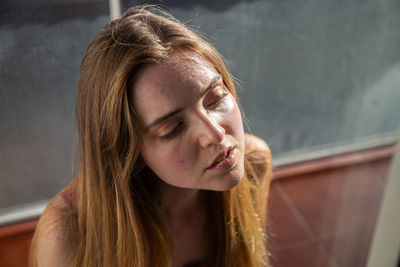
193, 135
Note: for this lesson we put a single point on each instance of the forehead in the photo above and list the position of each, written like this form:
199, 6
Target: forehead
176, 83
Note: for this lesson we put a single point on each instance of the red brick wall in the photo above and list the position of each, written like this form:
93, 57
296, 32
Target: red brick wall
14, 244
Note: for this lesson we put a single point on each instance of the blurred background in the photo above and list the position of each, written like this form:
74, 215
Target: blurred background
315, 78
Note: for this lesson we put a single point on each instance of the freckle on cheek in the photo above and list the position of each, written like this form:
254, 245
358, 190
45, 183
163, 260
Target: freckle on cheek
175, 159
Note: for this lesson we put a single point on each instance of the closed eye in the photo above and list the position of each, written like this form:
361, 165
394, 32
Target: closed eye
217, 101
173, 133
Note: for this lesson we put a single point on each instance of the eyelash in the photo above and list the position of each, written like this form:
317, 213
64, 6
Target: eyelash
180, 125
220, 98
172, 133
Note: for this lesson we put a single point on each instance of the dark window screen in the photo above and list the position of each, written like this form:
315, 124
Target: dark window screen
312, 74
41, 47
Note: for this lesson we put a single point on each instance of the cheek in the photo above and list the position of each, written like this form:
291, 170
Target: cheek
178, 161
235, 117
170, 162
237, 121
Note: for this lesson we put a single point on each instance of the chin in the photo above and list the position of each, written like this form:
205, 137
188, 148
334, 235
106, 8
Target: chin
228, 180
235, 181
232, 180
228, 184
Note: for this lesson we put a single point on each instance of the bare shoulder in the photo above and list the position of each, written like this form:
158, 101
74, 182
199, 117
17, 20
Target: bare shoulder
254, 143
54, 241
258, 155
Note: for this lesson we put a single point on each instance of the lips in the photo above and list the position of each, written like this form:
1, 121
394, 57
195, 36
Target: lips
225, 160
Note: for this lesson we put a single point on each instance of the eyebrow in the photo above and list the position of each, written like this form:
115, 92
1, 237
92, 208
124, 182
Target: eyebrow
176, 111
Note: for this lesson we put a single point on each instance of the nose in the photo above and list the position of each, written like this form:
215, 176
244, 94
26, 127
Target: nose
211, 132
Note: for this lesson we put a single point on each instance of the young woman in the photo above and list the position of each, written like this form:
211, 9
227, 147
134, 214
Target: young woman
167, 176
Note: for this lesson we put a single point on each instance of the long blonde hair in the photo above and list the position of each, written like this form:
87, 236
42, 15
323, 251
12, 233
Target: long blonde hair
118, 221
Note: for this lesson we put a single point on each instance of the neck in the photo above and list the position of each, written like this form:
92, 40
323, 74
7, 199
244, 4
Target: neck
177, 202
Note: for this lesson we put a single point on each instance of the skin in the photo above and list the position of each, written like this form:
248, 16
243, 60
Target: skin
180, 149
54, 240
212, 122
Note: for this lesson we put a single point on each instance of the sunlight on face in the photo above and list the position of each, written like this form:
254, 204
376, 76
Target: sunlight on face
193, 128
